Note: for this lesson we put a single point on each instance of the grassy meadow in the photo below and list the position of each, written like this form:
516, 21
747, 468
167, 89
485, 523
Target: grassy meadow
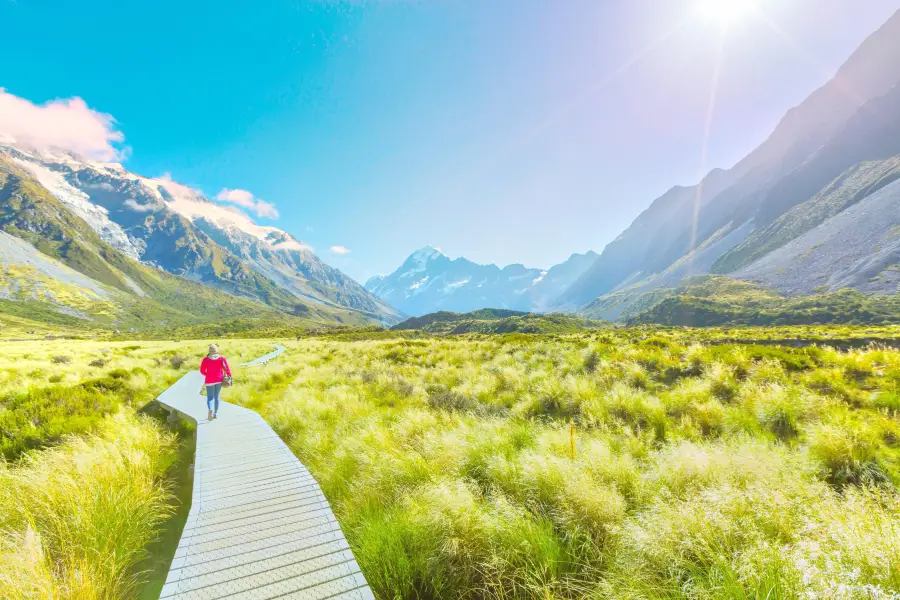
615, 463
87, 483
601, 465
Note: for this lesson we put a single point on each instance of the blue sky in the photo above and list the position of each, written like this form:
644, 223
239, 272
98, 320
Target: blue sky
504, 131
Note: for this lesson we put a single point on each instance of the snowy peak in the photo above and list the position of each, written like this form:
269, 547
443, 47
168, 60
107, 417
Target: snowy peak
428, 281
426, 254
174, 227
192, 205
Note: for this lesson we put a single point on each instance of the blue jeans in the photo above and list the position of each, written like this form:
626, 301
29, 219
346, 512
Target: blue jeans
212, 396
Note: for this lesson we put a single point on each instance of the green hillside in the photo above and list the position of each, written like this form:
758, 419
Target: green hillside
446, 316
491, 320
138, 296
706, 301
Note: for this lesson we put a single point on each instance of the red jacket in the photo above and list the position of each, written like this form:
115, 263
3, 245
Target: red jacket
215, 369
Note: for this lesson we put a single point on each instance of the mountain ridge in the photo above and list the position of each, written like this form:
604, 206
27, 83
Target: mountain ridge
665, 231
54, 263
429, 281
173, 227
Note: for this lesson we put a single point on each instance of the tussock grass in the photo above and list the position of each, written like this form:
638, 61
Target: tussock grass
85, 484
75, 519
603, 465
52, 388
614, 464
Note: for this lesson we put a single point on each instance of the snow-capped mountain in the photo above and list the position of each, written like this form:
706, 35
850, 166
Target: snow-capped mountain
175, 228
429, 281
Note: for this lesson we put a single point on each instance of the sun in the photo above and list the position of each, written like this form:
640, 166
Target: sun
725, 12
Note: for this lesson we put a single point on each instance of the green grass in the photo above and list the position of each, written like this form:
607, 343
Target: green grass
158, 554
713, 301
616, 463
76, 519
696, 470
92, 496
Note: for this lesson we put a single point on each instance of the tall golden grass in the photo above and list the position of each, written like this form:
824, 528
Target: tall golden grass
699, 471
85, 485
75, 518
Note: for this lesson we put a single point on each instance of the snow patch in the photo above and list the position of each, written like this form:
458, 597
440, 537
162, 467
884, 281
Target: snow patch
79, 203
427, 253
539, 279
419, 283
192, 205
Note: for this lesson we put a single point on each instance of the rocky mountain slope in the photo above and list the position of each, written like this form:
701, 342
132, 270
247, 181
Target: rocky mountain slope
857, 248
850, 120
173, 227
827, 155
429, 281
56, 266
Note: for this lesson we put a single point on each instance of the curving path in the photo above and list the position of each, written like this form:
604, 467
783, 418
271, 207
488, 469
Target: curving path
264, 358
259, 526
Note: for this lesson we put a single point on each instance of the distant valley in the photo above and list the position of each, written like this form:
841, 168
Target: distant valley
813, 210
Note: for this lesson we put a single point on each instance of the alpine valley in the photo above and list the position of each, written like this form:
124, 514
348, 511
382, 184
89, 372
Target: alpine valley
813, 212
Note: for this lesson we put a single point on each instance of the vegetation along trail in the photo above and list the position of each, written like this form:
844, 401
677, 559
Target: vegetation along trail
699, 469
94, 485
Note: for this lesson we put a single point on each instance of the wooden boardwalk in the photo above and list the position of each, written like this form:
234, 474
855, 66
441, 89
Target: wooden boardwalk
259, 526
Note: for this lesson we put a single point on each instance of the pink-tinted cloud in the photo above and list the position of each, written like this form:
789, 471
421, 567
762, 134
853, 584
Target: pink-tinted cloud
239, 197
247, 200
68, 125
266, 209
340, 250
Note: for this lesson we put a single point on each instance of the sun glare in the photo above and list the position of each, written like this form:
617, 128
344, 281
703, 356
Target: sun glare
725, 12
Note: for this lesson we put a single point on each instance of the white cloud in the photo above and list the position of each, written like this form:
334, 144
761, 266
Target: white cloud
239, 197
340, 250
192, 204
141, 208
247, 200
266, 209
68, 125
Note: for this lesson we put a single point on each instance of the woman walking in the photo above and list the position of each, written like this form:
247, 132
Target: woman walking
215, 368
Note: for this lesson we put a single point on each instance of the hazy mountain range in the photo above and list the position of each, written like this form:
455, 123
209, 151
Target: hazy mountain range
429, 281
813, 209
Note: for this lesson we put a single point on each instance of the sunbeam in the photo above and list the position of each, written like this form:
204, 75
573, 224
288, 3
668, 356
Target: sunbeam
704, 150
